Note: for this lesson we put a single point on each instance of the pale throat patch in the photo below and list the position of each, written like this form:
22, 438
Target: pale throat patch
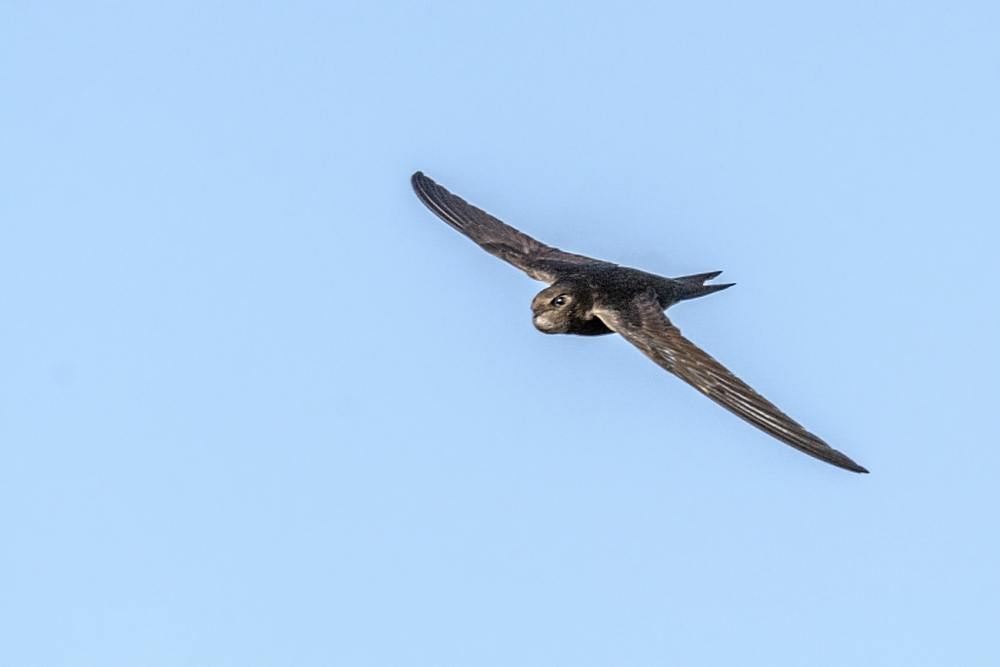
544, 322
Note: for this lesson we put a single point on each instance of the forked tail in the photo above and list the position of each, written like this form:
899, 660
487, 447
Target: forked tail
691, 287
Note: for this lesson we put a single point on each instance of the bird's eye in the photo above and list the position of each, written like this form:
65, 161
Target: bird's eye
559, 301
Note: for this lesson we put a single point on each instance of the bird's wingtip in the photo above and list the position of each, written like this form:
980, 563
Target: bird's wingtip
420, 183
848, 464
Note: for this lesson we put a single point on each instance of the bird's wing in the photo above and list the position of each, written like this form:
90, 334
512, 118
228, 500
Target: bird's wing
538, 260
646, 326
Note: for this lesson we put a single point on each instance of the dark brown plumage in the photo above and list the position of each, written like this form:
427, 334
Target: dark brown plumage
590, 297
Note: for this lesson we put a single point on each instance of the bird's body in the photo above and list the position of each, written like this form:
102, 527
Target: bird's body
591, 297
607, 285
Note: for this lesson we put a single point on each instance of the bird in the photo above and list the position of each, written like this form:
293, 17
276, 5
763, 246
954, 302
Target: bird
591, 297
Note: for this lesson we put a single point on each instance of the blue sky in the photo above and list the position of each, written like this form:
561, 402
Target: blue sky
258, 406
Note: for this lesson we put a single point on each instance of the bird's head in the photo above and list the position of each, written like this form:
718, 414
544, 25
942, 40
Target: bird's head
555, 308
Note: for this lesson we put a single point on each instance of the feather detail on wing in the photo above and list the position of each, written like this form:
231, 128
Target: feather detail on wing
646, 326
538, 260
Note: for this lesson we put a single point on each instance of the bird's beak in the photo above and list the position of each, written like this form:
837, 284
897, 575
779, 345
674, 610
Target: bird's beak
543, 322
